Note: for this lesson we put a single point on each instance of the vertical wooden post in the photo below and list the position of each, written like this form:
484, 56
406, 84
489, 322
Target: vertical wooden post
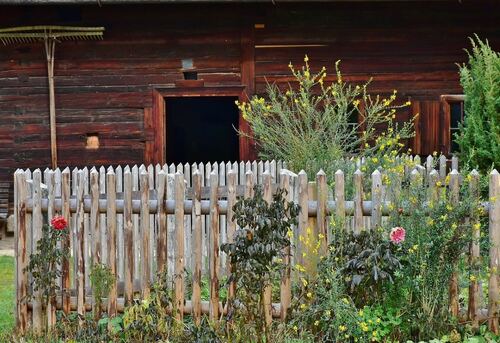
321, 209
135, 221
303, 214
286, 288
49, 181
161, 251
179, 246
65, 198
376, 215
231, 224
267, 295
94, 218
20, 194
249, 183
454, 198
214, 247
340, 196
79, 243
474, 253
358, 202
128, 229
119, 227
111, 226
145, 231
38, 323
197, 247
433, 190
442, 167
494, 232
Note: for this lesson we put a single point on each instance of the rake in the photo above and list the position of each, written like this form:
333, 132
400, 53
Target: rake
50, 35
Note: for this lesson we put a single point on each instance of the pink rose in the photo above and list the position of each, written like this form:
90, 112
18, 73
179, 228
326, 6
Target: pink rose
59, 223
397, 235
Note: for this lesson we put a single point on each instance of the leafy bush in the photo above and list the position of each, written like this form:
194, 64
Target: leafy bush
317, 125
256, 256
101, 280
479, 137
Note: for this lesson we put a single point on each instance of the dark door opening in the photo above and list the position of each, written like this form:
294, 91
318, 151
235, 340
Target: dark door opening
201, 129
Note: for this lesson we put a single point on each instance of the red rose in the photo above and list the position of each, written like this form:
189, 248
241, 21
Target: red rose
58, 223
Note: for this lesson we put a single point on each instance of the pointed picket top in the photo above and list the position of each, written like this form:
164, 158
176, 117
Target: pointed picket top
111, 171
126, 168
434, 173
75, 170
302, 172
493, 172
474, 172
194, 167
134, 167
358, 172
339, 172
321, 173
376, 172
415, 172
196, 172
46, 170
141, 168
454, 172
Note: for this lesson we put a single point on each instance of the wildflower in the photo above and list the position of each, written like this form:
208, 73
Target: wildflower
304, 282
309, 295
397, 235
363, 326
316, 323
342, 328
472, 278
345, 300
476, 226
58, 223
295, 328
408, 103
303, 306
328, 313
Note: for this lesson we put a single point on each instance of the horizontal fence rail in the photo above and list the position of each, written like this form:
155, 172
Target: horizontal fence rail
140, 220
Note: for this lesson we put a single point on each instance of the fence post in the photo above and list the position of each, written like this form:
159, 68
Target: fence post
111, 226
66, 243
340, 197
161, 251
267, 296
494, 232
179, 246
358, 202
20, 194
376, 215
303, 214
145, 231
231, 225
322, 196
454, 198
128, 229
79, 244
474, 254
197, 247
38, 323
214, 247
286, 290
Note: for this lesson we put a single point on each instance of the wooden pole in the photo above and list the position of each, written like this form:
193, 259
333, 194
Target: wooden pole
50, 46
494, 230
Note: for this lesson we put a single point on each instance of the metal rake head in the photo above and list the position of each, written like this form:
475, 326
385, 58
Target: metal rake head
30, 34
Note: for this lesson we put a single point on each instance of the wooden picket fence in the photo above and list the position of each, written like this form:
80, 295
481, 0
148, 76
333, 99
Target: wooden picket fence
141, 220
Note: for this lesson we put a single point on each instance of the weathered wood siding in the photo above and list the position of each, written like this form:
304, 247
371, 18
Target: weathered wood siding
106, 87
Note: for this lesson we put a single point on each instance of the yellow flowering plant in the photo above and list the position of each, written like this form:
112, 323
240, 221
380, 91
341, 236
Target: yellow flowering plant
318, 121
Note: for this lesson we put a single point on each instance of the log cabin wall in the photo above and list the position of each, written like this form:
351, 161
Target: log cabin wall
106, 87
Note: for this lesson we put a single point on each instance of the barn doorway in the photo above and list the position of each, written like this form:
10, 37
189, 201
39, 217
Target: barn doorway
201, 129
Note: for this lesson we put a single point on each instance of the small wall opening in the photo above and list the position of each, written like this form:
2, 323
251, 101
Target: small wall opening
92, 141
201, 129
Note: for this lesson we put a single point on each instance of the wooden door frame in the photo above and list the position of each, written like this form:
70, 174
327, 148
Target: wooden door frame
155, 151
445, 138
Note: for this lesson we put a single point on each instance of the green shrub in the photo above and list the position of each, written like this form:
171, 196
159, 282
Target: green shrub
319, 125
479, 137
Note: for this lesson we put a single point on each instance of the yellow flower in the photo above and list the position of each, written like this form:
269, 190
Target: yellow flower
316, 323
378, 320
472, 278
295, 328
477, 226
345, 300
328, 313
360, 313
306, 59
408, 103
303, 306
342, 328
304, 282
309, 295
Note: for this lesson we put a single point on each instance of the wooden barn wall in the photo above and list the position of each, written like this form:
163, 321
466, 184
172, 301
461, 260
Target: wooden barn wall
106, 87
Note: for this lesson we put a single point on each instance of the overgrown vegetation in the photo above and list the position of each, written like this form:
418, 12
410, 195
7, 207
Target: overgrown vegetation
479, 137
318, 125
